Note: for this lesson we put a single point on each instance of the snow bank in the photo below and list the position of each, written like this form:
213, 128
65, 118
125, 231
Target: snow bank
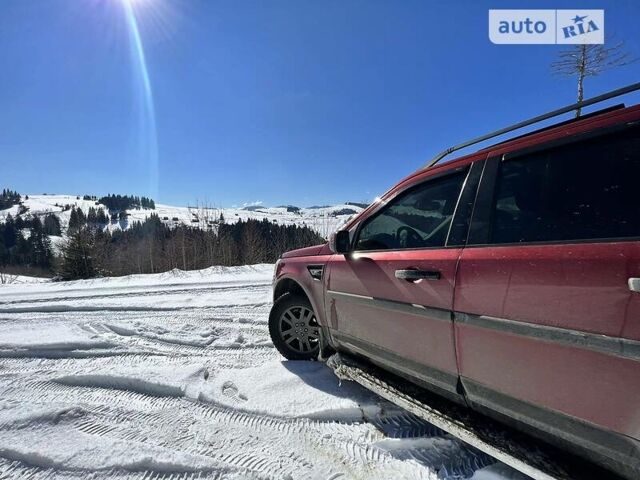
248, 273
215, 274
114, 293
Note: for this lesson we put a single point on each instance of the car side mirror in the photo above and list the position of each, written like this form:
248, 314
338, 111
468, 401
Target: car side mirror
339, 242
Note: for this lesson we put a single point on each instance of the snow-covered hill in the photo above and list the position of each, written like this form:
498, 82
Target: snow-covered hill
323, 220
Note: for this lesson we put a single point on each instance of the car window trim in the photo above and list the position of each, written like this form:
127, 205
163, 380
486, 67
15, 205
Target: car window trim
461, 222
542, 243
383, 205
482, 216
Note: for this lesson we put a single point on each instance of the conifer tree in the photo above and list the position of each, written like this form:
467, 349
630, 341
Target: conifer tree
82, 218
92, 218
78, 256
52, 225
39, 245
8, 198
101, 217
9, 232
73, 219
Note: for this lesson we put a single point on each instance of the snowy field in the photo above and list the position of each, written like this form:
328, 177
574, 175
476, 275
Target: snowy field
173, 376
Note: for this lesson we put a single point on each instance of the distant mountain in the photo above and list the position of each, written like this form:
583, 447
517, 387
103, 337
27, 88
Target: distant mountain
323, 220
357, 204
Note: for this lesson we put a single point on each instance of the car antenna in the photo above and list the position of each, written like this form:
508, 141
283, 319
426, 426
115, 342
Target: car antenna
574, 106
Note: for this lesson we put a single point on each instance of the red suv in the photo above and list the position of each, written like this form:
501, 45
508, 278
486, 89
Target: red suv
508, 279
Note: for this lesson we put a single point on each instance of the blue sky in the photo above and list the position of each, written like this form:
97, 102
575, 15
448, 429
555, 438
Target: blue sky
301, 102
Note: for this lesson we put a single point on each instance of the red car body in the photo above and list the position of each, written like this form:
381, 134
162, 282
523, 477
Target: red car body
543, 334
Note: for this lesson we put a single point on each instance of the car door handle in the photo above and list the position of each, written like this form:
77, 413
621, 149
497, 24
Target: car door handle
414, 275
634, 285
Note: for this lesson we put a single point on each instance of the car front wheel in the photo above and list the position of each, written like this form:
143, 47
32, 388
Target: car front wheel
293, 328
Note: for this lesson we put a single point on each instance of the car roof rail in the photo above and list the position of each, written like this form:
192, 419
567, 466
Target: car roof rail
525, 123
612, 108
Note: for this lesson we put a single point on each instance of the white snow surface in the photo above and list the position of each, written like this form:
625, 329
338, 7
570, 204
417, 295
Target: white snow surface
19, 279
323, 220
54, 336
173, 375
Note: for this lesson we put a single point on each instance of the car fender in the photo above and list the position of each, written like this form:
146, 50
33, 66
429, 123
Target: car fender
295, 270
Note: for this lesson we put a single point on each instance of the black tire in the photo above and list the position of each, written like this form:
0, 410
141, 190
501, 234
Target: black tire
293, 328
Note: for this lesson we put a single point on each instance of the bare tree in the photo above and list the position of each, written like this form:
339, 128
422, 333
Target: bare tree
7, 278
590, 60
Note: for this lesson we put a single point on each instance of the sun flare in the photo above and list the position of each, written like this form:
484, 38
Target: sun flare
147, 135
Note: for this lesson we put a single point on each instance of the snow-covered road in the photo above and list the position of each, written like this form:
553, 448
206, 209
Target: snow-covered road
173, 376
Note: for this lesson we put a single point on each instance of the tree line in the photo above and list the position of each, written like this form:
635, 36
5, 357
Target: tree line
118, 203
90, 250
9, 198
26, 243
94, 217
152, 247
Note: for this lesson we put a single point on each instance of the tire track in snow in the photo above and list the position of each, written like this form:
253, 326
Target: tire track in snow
254, 443
187, 316
56, 288
334, 442
334, 439
17, 470
262, 287
303, 430
247, 357
44, 392
171, 347
66, 308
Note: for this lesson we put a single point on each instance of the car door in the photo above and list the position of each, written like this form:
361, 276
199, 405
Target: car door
546, 317
390, 298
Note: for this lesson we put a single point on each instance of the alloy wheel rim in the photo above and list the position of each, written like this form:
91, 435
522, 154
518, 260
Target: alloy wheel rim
299, 329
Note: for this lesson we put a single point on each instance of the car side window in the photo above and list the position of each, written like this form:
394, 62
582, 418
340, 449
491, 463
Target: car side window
417, 218
587, 190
